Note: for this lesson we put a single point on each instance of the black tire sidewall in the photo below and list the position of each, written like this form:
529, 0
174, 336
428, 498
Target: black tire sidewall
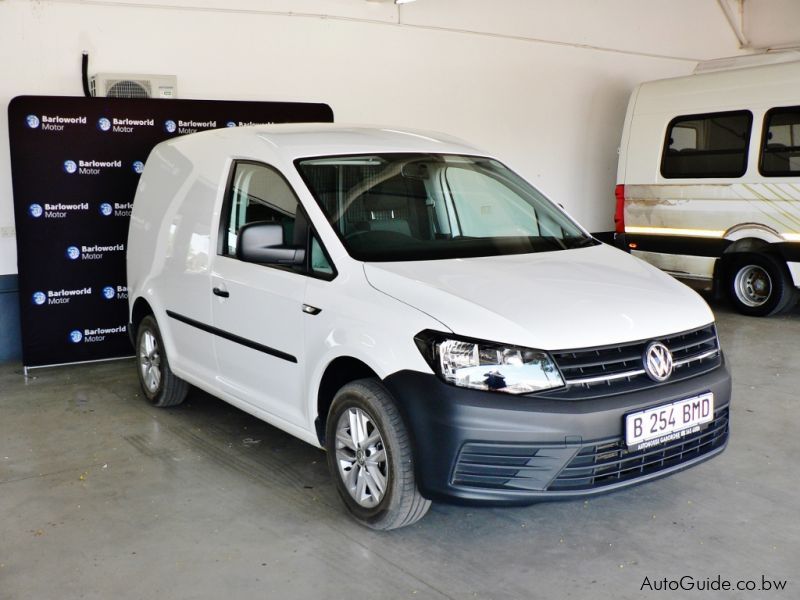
356, 398
779, 276
149, 324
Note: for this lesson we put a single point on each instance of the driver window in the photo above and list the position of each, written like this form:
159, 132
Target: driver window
258, 193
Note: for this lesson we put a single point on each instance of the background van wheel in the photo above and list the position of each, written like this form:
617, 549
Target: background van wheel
760, 285
370, 459
159, 384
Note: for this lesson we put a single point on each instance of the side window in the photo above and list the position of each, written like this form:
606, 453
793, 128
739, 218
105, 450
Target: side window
319, 264
713, 145
780, 148
258, 193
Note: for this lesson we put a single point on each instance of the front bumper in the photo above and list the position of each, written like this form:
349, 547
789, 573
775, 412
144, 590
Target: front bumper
491, 448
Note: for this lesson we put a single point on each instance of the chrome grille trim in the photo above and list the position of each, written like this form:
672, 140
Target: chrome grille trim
618, 369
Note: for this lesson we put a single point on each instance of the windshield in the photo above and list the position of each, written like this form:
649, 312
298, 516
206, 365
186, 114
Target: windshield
400, 207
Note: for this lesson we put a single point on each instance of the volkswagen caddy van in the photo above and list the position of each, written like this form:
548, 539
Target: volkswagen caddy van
420, 311
709, 179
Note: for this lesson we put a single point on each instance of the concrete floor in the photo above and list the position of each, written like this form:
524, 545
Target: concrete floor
102, 496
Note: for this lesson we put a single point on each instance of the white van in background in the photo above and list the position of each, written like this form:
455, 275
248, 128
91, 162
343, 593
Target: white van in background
708, 184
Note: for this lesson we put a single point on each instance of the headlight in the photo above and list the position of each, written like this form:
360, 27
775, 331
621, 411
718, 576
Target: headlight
488, 366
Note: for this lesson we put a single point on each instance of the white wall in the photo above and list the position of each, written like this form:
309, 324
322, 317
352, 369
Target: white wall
541, 83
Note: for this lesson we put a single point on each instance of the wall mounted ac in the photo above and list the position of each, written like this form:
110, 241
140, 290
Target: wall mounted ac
126, 85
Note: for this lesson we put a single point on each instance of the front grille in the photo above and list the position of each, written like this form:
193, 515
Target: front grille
610, 462
598, 372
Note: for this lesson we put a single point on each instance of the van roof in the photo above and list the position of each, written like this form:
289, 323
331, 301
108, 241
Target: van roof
298, 140
747, 87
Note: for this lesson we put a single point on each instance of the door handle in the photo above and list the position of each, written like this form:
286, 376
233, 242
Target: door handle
221, 293
311, 310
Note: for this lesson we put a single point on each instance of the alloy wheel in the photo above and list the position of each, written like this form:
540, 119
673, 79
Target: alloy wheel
361, 457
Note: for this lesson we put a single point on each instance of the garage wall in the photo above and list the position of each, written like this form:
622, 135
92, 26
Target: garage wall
541, 83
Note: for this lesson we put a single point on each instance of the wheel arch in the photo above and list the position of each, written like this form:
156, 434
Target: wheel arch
339, 372
141, 308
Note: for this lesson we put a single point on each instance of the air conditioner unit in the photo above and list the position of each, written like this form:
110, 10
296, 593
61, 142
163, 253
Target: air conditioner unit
125, 85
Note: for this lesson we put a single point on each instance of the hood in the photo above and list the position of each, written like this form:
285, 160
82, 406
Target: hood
557, 300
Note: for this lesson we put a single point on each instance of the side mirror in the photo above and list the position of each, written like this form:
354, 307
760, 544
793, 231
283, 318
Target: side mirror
262, 242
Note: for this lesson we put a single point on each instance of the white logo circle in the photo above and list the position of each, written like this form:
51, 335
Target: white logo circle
39, 298
109, 292
75, 336
32, 121
103, 124
170, 126
73, 253
138, 167
35, 210
106, 209
70, 166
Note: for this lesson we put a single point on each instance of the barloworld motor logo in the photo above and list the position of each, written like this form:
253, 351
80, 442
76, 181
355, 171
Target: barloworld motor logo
118, 209
58, 210
97, 334
103, 124
53, 122
96, 252
109, 293
230, 124
90, 167
61, 296
138, 167
170, 126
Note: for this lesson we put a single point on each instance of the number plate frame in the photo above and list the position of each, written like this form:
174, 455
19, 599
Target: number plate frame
668, 422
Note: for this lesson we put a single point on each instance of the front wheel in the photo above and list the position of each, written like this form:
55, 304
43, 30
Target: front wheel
760, 285
370, 459
159, 384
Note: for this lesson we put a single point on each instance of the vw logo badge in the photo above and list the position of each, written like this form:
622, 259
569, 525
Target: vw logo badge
658, 361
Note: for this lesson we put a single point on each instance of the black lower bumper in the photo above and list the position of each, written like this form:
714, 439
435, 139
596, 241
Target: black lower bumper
483, 447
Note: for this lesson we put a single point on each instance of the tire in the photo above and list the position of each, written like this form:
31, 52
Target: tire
760, 285
159, 384
374, 469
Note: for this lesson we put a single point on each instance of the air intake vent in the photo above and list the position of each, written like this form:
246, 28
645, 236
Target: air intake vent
129, 89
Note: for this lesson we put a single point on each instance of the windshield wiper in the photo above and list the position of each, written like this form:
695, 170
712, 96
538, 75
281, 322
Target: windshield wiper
584, 242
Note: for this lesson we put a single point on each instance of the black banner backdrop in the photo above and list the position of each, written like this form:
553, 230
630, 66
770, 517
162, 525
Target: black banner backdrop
75, 164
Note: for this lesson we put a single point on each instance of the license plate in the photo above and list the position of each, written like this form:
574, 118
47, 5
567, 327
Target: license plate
654, 426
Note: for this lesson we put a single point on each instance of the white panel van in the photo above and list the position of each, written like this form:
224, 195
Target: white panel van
419, 310
708, 184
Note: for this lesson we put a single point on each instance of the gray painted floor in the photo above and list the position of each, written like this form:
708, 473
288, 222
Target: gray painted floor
102, 496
